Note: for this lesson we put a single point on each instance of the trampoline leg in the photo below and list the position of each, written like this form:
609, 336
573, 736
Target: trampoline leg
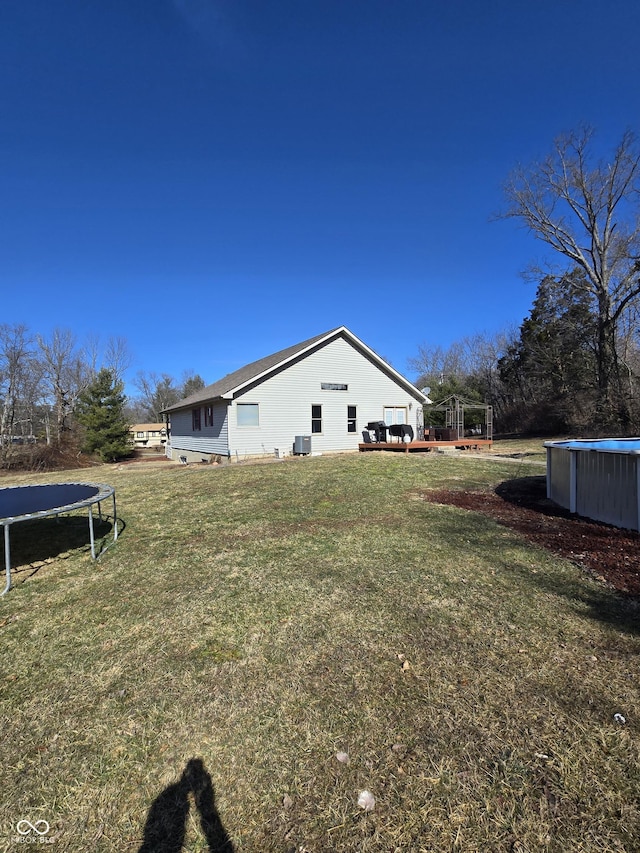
7, 560
115, 519
93, 544
115, 525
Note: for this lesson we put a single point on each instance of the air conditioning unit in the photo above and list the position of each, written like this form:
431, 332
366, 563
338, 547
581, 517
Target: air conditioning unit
302, 445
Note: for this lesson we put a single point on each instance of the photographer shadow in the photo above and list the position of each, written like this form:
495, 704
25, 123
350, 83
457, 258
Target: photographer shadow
166, 824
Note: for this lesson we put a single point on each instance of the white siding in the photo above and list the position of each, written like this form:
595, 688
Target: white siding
285, 401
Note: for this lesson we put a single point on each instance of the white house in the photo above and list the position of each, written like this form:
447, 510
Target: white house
327, 388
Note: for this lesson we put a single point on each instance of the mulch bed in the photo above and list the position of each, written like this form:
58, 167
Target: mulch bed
609, 553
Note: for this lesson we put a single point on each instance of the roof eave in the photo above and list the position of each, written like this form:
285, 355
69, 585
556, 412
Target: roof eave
186, 405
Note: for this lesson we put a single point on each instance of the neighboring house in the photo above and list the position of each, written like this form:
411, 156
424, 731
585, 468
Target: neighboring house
328, 388
148, 435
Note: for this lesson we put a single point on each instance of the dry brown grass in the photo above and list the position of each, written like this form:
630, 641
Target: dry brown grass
265, 618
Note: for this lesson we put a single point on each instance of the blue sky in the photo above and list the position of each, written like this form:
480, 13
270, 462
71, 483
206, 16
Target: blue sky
214, 180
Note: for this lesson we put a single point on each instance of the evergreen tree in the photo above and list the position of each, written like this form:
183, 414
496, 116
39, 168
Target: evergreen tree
101, 413
550, 372
191, 384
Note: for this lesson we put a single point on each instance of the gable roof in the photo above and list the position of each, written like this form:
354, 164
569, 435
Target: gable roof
232, 383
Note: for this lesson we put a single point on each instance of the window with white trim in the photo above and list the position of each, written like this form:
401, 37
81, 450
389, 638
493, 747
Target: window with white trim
351, 419
247, 414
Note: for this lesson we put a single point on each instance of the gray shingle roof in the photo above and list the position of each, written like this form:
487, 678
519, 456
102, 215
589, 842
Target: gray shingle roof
245, 374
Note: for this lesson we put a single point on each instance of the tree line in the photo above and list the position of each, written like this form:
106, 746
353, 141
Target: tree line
53, 388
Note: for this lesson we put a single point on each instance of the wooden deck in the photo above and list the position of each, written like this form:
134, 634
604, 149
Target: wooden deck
468, 443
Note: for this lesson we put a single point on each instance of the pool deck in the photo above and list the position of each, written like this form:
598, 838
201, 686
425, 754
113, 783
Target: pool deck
468, 443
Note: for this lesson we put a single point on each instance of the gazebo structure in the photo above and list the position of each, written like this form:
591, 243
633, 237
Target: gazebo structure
454, 410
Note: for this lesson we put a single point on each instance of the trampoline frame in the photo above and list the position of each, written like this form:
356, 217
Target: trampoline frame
104, 492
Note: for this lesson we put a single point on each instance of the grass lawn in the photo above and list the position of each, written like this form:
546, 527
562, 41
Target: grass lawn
254, 621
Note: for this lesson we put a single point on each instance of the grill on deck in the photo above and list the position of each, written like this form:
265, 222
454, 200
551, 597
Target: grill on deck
379, 429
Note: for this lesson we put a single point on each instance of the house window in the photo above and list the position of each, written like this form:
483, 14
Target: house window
248, 414
351, 419
208, 416
395, 415
334, 386
139, 435
316, 419
195, 420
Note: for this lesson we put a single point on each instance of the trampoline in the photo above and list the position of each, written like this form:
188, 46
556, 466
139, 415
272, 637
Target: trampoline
25, 503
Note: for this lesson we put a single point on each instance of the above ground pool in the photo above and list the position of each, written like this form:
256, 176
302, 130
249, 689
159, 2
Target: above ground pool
596, 478
24, 503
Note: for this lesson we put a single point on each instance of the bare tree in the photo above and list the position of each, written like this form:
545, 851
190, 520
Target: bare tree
486, 352
588, 212
117, 357
435, 363
157, 392
472, 356
17, 378
67, 371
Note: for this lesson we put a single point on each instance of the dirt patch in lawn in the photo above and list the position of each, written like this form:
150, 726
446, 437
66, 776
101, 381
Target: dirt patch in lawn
609, 553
